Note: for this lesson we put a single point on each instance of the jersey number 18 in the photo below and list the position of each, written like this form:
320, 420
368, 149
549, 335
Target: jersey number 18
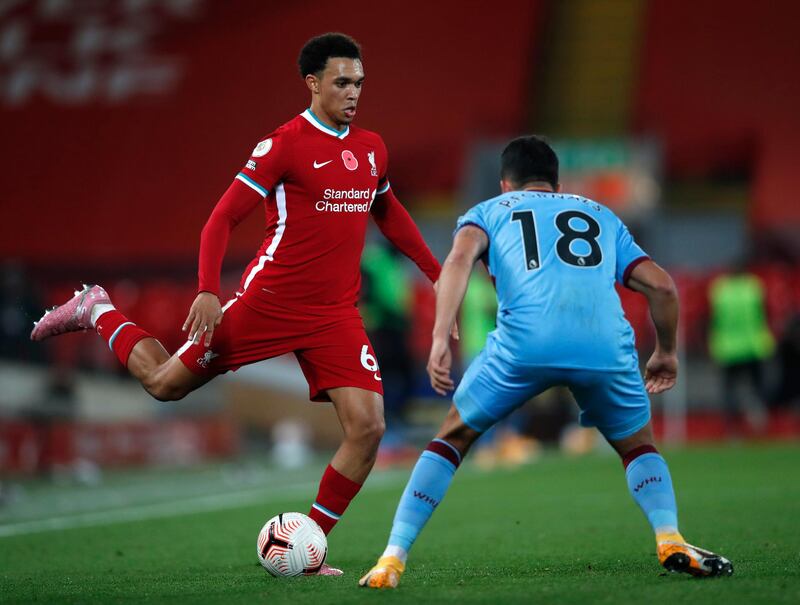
530, 243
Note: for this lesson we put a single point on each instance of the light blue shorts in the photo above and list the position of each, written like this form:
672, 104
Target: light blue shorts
613, 401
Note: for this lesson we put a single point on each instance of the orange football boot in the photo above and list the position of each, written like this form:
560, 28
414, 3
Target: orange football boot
385, 574
676, 555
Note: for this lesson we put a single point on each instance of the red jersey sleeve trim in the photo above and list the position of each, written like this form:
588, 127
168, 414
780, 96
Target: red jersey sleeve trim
470, 224
629, 269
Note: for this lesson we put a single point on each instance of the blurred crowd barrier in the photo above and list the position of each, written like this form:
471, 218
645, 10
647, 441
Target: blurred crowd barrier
52, 446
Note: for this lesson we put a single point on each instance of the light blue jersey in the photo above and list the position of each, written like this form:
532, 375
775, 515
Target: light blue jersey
555, 258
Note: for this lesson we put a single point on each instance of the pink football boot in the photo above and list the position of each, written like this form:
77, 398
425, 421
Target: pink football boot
73, 316
327, 570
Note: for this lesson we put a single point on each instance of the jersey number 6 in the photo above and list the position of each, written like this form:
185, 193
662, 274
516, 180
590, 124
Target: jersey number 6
530, 243
368, 361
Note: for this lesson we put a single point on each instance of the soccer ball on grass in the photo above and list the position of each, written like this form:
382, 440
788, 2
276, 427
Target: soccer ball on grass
291, 544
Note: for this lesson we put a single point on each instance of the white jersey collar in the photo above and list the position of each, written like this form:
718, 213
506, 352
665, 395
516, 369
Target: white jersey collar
319, 125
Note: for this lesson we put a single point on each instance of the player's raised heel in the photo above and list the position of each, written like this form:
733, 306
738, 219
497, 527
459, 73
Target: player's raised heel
680, 557
385, 574
73, 316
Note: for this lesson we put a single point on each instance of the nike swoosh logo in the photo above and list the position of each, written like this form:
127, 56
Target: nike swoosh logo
322, 164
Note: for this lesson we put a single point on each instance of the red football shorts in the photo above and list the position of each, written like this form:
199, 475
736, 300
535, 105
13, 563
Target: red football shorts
332, 351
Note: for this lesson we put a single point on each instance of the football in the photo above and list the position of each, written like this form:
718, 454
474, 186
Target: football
291, 544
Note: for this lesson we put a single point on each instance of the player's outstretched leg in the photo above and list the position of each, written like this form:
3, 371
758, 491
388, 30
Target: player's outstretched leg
650, 485
426, 488
164, 377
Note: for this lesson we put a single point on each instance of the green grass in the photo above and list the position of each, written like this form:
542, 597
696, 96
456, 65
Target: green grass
563, 530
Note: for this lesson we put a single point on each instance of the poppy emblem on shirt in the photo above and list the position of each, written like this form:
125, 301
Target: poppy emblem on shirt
350, 161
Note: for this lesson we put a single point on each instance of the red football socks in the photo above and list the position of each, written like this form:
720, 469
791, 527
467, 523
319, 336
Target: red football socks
335, 493
120, 334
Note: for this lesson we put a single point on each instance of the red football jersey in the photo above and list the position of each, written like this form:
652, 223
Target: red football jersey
319, 185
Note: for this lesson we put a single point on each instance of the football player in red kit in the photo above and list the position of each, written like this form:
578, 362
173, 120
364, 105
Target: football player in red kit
320, 179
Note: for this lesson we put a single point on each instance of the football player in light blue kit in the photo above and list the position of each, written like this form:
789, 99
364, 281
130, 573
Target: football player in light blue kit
555, 259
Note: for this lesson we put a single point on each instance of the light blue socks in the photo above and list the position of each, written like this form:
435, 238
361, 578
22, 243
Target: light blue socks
650, 485
425, 489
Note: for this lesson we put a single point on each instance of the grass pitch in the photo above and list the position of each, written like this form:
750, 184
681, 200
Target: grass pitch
563, 530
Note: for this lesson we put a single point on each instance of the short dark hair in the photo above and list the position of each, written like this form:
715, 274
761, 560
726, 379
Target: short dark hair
315, 53
529, 159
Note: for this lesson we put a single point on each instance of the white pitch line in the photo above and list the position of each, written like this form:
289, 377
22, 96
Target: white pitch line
176, 508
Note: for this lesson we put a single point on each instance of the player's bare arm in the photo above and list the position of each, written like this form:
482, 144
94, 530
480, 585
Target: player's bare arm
454, 330
662, 298
470, 242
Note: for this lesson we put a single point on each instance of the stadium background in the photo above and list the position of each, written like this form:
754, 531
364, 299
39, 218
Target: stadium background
123, 122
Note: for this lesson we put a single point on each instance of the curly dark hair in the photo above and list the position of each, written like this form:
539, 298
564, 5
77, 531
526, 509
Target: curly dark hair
529, 159
315, 53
